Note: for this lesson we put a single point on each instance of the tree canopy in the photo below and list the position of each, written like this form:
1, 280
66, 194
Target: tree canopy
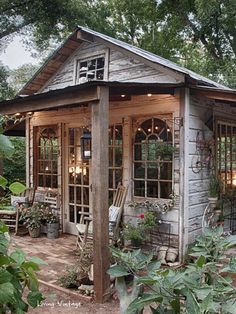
198, 34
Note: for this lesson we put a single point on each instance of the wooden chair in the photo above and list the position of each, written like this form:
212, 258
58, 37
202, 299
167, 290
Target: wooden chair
85, 226
25, 198
10, 217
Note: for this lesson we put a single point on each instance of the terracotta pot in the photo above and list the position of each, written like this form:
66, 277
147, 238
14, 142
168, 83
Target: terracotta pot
35, 233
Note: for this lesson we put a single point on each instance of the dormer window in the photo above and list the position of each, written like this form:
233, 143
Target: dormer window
90, 69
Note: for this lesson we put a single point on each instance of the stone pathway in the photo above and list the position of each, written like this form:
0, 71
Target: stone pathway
58, 253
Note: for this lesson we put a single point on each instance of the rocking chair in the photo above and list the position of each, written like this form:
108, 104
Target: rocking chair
85, 226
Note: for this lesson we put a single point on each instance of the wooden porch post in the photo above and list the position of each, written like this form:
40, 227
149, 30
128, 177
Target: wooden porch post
100, 118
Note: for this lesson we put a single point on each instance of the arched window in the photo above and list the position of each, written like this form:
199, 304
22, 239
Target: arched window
47, 156
153, 159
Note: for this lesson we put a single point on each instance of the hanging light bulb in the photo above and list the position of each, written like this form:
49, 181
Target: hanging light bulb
149, 130
139, 129
156, 127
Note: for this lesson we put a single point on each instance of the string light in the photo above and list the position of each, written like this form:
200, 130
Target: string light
149, 94
122, 96
139, 129
149, 130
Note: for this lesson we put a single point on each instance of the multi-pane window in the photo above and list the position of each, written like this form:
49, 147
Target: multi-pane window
90, 69
47, 156
226, 153
78, 177
153, 159
115, 158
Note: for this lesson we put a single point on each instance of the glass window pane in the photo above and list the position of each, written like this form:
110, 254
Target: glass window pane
140, 152
86, 196
118, 156
118, 134
139, 170
152, 189
71, 214
139, 188
111, 178
71, 194
152, 170
166, 171
166, 189
118, 177
110, 156
78, 195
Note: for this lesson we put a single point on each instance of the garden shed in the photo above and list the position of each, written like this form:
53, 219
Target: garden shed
131, 102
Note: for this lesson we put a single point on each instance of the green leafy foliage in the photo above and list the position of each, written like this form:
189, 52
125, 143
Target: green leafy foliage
16, 273
201, 287
14, 166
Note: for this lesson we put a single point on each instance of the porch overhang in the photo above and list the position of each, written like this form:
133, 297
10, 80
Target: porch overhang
214, 93
80, 94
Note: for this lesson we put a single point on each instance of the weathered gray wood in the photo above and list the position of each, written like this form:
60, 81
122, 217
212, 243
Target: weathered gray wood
184, 171
100, 165
76, 97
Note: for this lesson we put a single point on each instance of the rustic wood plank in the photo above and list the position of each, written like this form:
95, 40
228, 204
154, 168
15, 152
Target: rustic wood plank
184, 171
100, 165
76, 97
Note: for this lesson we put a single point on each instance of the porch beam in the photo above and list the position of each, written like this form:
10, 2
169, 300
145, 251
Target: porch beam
100, 164
44, 101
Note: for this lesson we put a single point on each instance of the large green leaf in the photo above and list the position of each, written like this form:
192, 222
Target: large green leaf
37, 260
34, 298
6, 293
17, 188
118, 271
18, 256
5, 276
6, 147
3, 182
192, 306
145, 299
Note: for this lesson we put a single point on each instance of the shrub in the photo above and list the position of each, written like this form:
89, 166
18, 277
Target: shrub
17, 273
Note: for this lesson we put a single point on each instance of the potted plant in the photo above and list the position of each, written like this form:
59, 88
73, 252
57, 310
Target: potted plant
52, 225
33, 218
214, 189
140, 232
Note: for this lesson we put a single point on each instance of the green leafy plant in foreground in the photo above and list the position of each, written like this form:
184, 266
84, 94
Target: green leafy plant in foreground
200, 287
17, 273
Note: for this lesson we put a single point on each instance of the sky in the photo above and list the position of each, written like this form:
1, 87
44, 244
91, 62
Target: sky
15, 55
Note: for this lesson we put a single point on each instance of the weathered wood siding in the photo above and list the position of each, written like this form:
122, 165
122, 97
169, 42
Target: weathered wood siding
201, 110
119, 66
125, 112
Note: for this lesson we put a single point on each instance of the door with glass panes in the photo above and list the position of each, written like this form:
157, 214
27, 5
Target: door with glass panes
77, 177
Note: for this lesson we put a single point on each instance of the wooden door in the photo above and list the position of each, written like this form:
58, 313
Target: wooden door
77, 180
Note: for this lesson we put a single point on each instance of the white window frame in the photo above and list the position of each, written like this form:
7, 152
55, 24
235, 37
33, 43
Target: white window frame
90, 56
